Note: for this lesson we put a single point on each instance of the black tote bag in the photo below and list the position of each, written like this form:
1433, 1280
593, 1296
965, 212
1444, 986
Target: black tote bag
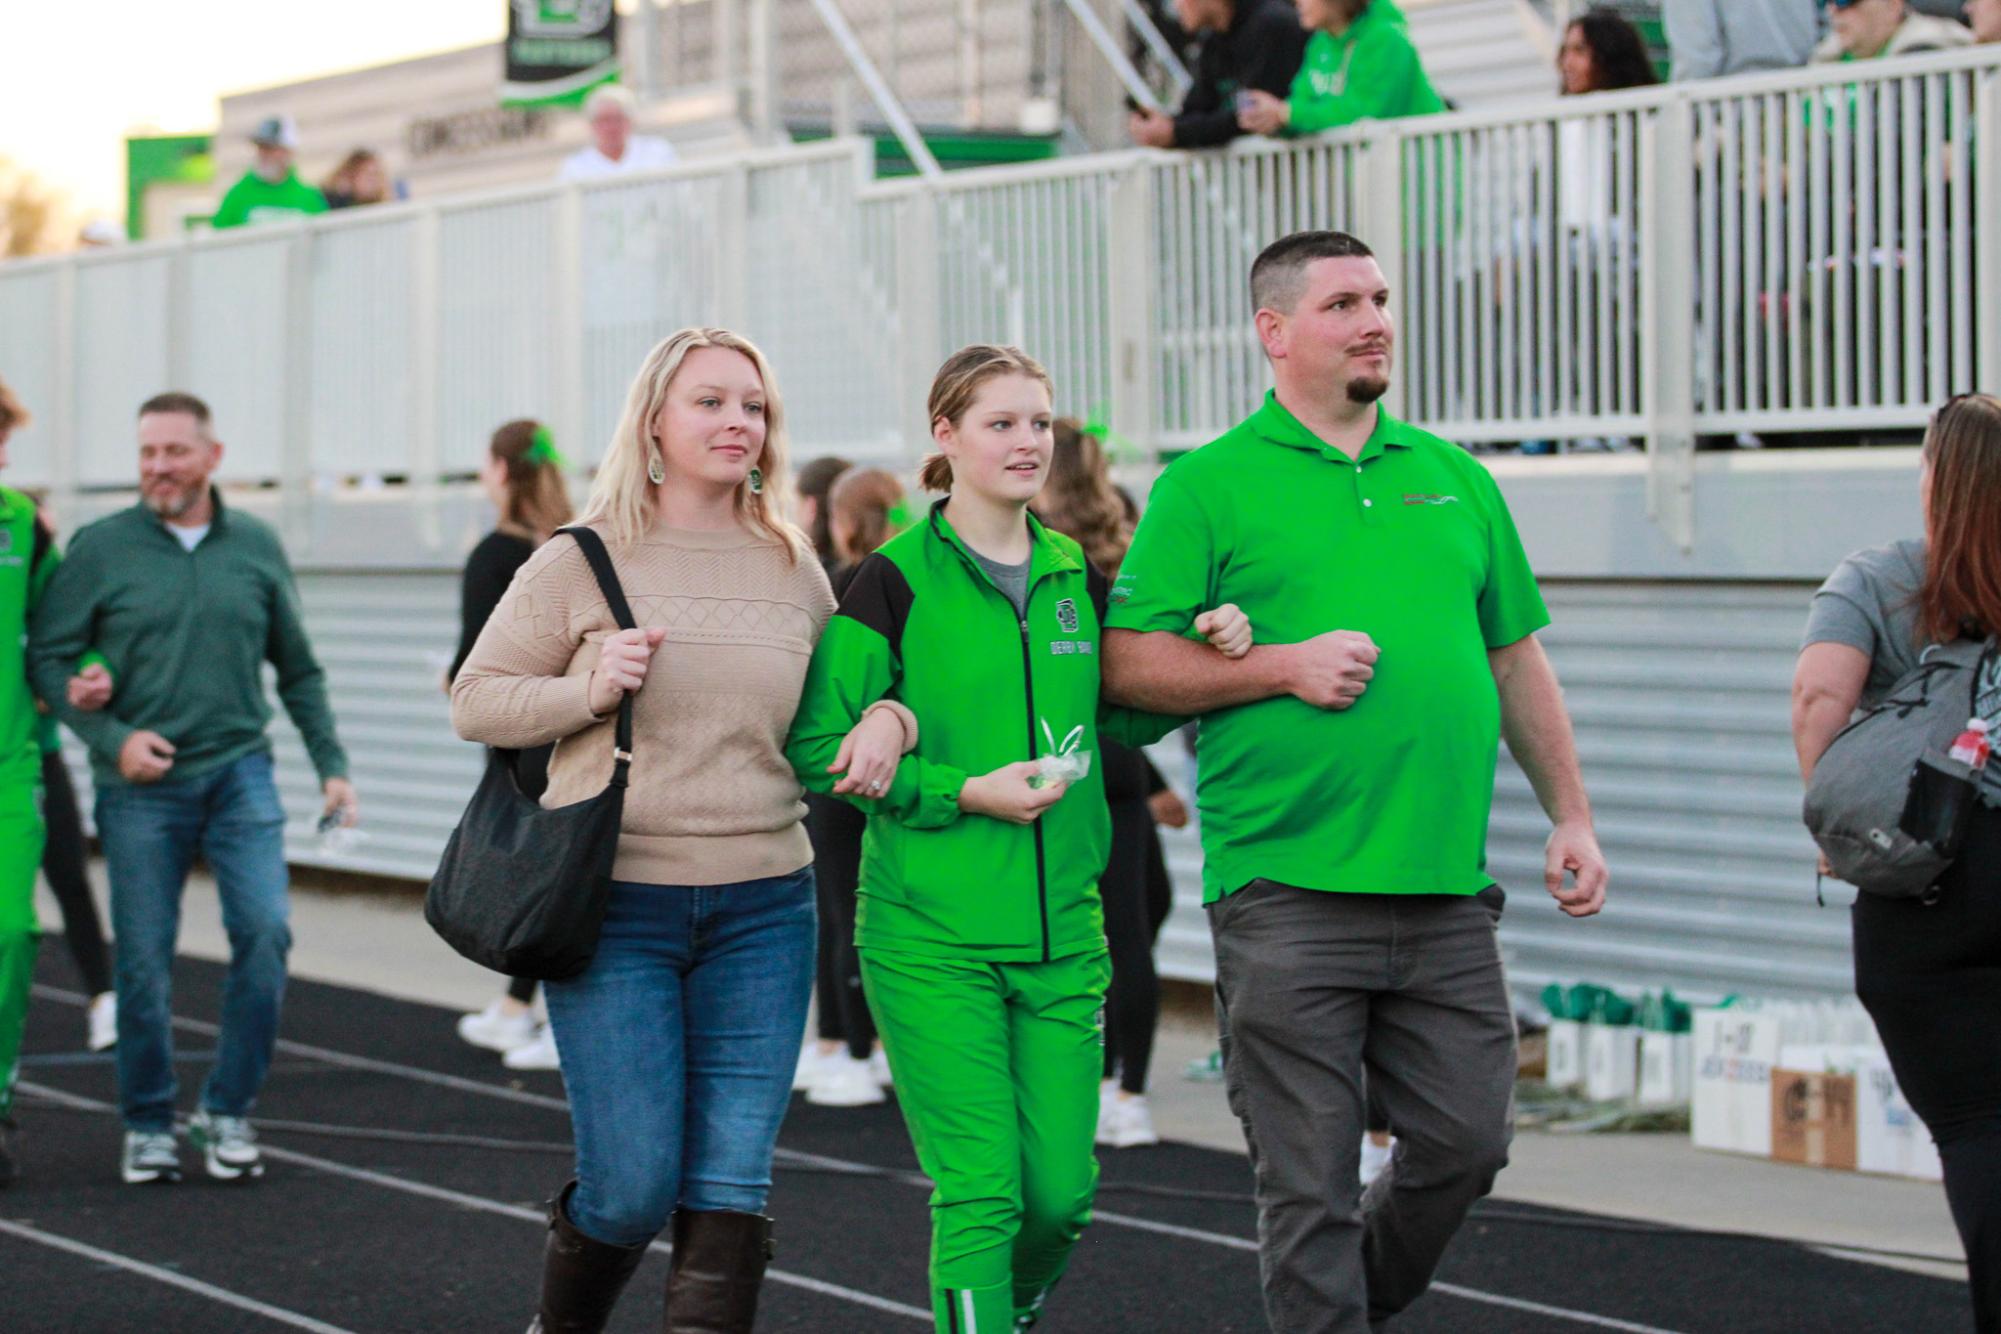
520, 889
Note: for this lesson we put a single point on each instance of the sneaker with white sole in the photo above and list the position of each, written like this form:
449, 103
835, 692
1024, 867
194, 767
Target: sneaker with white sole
845, 1082
103, 1019
1375, 1157
1130, 1124
537, 1054
149, 1156
812, 1061
878, 1066
1108, 1093
228, 1146
497, 1029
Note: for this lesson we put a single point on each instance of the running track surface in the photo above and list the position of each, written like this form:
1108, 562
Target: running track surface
349, 1234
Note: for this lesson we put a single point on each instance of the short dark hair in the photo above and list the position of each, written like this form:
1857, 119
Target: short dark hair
174, 400
1278, 275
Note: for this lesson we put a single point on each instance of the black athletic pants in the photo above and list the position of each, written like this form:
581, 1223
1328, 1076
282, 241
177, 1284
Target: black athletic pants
1930, 976
836, 828
64, 865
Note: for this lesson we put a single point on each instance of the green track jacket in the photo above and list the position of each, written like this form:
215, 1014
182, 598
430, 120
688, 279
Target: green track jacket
922, 623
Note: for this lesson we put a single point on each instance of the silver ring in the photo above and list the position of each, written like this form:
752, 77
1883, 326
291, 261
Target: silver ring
875, 787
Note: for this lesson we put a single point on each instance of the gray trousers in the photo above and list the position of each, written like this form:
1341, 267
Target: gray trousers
1314, 988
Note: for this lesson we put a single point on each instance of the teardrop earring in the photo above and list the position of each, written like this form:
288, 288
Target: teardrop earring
656, 471
757, 481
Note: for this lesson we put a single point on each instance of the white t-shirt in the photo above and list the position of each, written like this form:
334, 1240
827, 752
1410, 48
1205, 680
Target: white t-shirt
643, 152
189, 538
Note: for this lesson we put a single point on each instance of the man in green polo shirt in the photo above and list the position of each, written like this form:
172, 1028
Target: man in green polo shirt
187, 599
271, 190
1346, 777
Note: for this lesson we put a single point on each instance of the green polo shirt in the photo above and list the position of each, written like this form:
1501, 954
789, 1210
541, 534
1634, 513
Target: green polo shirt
1410, 543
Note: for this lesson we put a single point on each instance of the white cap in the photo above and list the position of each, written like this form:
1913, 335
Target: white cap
102, 231
276, 132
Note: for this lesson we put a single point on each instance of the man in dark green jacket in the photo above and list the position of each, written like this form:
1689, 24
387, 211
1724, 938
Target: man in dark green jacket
186, 600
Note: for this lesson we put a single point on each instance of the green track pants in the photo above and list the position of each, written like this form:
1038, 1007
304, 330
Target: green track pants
20, 859
997, 1068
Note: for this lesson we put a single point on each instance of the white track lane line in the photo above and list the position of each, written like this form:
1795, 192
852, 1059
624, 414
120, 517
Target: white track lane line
38, 1237
482, 1204
1117, 1220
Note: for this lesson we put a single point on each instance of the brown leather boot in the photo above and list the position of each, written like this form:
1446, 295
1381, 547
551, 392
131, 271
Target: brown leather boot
581, 1276
719, 1261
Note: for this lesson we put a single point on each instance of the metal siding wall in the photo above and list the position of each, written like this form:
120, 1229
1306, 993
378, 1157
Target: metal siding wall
1680, 698
29, 360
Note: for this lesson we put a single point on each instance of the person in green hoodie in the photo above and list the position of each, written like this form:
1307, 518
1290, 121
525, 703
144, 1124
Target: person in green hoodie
979, 927
271, 190
1360, 65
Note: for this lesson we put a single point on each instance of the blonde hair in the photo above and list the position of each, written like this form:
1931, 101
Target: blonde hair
955, 387
861, 502
622, 497
538, 498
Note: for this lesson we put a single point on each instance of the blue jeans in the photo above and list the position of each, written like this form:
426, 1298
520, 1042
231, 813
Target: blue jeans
151, 833
678, 1046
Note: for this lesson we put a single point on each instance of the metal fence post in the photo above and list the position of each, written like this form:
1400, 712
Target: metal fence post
295, 446
426, 446
64, 437
1381, 159
733, 249
568, 275
1987, 231
1667, 324
1134, 270
917, 323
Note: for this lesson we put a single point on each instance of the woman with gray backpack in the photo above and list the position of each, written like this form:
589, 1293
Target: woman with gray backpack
1905, 801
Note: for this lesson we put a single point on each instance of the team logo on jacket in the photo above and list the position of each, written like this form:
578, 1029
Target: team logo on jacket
1066, 615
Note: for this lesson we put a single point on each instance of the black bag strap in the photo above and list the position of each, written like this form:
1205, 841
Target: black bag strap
621, 611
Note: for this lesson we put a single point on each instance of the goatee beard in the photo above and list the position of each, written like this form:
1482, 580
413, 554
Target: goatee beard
171, 507
1367, 389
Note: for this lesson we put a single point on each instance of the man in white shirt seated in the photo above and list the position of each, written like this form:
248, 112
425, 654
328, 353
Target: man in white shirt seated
614, 148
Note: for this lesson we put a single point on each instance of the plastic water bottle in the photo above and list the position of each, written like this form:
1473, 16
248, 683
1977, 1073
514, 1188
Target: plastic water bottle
1972, 747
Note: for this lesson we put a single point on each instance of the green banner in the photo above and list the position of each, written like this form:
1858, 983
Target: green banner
558, 50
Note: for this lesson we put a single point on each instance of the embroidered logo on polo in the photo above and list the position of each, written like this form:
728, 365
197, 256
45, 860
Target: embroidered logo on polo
1415, 498
1066, 616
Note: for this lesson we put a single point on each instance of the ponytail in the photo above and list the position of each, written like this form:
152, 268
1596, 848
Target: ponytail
935, 473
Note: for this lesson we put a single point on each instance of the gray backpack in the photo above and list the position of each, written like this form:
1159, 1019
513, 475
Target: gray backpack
1886, 803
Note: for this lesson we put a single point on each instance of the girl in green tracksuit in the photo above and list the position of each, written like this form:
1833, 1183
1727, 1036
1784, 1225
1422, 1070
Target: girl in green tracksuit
979, 928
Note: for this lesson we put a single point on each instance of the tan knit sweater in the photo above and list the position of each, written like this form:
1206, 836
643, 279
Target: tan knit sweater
712, 800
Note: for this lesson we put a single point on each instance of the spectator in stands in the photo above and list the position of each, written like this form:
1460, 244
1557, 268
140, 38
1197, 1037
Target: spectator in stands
359, 179
1250, 46
271, 190
1710, 38
1984, 16
1873, 29
614, 149
864, 508
1360, 65
1925, 968
1602, 52
182, 763
523, 477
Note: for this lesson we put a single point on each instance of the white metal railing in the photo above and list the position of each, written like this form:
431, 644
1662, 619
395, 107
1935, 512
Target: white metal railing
1784, 252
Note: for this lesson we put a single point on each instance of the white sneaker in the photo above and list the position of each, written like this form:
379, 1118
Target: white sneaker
496, 1030
103, 1017
538, 1053
228, 1146
812, 1062
1130, 1124
878, 1068
148, 1157
1375, 1157
844, 1082
1108, 1093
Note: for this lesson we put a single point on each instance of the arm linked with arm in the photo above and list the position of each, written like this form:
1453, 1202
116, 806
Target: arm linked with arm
61, 632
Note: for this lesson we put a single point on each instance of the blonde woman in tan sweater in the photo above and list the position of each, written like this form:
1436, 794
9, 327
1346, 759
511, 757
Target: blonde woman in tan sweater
678, 1043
